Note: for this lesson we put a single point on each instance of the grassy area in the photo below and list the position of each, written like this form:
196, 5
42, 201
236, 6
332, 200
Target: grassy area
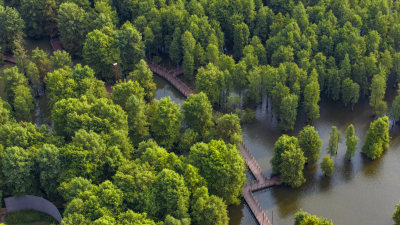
29, 217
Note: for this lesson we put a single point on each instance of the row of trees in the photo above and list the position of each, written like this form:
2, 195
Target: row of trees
290, 55
291, 154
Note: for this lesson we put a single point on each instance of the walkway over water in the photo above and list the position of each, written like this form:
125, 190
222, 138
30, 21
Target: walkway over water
261, 183
171, 77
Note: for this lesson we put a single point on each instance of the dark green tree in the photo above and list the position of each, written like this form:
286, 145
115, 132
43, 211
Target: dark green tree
144, 76
327, 165
351, 141
292, 166
241, 35
334, 140
281, 145
11, 28
377, 139
310, 144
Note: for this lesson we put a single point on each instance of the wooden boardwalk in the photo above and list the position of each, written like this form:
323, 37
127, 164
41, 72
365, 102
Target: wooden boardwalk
261, 183
56, 44
171, 77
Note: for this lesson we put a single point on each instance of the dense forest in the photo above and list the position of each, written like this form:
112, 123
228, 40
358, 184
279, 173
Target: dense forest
119, 156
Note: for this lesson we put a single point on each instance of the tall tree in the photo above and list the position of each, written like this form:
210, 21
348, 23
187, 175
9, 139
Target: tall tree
228, 129
311, 99
241, 35
378, 90
327, 165
350, 92
59, 59
288, 112
197, 112
280, 146
396, 214
377, 139
101, 53
188, 46
292, 166
310, 144
351, 141
40, 17
137, 119
131, 46
124, 90
395, 110
144, 76
219, 164
166, 123
210, 80
302, 217
334, 139
11, 28
73, 27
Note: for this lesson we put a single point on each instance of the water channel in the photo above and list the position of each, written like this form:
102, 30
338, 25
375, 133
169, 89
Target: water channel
359, 192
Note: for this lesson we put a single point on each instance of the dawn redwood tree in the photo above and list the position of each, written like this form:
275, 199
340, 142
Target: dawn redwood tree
73, 27
131, 46
378, 89
334, 140
197, 112
311, 100
288, 112
100, 52
143, 75
11, 28
281, 145
377, 139
302, 217
228, 129
327, 165
220, 164
292, 166
165, 125
351, 141
310, 144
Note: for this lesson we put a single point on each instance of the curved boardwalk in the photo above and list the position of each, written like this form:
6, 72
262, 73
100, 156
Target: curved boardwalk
171, 78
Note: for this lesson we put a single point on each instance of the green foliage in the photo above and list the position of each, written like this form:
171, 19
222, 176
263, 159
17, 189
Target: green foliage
18, 169
165, 125
334, 139
377, 139
305, 218
99, 115
131, 46
73, 26
310, 144
228, 129
124, 90
143, 75
396, 215
288, 112
350, 92
188, 46
378, 89
67, 83
211, 81
40, 17
220, 164
311, 99
351, 141
240, 39
292, 165
59, 59
11, 28
327, 165
137, 119
171, 194
281, 145
208, 209
100, 52
131, 218
395, 110
197, 112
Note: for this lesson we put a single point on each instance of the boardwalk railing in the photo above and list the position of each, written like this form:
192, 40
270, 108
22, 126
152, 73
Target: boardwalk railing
261, 182
171, 78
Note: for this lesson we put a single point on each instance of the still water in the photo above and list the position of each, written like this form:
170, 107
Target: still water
360, 192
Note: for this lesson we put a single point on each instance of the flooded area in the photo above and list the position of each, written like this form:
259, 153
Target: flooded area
360, 191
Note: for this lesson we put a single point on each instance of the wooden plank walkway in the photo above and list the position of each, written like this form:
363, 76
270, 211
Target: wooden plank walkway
56, 44
261, 183
171, 77
10, 59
